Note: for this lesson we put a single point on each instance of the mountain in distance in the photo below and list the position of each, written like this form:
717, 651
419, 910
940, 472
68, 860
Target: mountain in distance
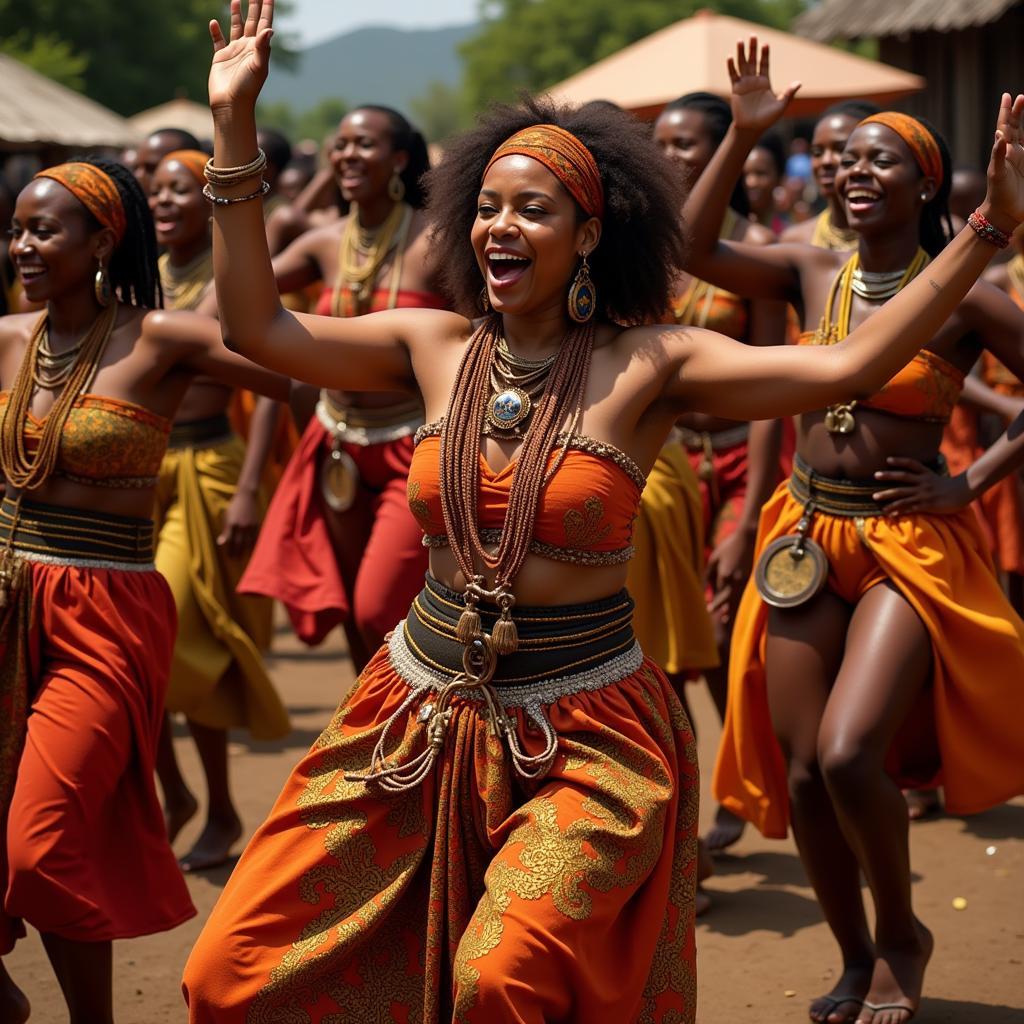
389, 66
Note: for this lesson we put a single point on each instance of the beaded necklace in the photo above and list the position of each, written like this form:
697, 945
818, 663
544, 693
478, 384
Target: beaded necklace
184, 286
839, 418
361, 255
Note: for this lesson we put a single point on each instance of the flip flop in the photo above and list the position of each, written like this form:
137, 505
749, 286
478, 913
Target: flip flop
834, 1002
877, 1007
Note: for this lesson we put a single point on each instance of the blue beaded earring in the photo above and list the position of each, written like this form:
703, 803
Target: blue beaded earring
582, 294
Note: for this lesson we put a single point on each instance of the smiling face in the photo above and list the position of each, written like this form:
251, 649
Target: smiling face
683, 136
54, 245
760, 179
527, 236
827, 145
879, 180
180, 213
363, 158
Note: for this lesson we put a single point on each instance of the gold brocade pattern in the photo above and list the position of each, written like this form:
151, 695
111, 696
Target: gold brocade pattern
417, 506
587, 528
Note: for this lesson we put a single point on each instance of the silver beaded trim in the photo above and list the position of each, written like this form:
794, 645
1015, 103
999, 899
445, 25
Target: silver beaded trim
364, 436
83, 563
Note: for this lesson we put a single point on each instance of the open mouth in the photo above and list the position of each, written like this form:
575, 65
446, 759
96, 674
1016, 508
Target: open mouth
505, 268
862, 200
30, 274
164, 225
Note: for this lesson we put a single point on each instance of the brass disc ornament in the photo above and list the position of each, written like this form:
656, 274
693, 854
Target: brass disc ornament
790, 571
339, 480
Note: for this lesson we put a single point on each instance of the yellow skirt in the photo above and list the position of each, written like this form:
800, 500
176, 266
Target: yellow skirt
666, 575
217, 676
941, 565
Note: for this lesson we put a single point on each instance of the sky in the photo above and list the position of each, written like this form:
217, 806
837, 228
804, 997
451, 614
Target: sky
316, 20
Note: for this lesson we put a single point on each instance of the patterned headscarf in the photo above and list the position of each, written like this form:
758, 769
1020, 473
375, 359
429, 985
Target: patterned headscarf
920, 140
193, 160
564, 156
95, 190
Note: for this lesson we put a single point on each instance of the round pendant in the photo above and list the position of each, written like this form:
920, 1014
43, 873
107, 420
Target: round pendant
839, 420
339, 480
787, 576
508, 409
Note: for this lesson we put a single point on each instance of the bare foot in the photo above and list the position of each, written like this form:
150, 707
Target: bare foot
14, 1007
922, 803
726, 830
897, 980
844, 1002
178, 813
213, 847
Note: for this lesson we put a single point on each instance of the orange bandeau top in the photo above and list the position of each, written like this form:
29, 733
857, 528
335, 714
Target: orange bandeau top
704, 305
381, 298
926, 388
107, 442
585, 514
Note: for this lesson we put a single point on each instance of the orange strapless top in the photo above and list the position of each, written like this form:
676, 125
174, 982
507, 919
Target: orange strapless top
585, 514
106, 442
381, 297
926, 388
704, 305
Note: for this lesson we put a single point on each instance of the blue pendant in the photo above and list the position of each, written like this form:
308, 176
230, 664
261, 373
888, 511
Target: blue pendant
508, 409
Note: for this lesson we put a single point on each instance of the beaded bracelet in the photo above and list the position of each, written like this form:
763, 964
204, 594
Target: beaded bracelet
987, 230
233, 175
228, 201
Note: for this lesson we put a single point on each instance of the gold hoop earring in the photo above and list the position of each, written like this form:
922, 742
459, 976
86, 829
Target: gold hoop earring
101, 286
582, 294
396, 188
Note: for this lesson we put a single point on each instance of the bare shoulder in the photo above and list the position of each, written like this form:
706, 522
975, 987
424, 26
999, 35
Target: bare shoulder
802, 232
16, 328
427, 328
998, 275
175, 330
986, 297
756, 234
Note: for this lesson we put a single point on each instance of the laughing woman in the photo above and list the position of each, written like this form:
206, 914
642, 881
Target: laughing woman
500, 821
874, 644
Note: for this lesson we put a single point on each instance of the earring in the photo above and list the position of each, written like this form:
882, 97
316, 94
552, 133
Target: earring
582, 294
485, 302
924, 197
396, 188
101, 286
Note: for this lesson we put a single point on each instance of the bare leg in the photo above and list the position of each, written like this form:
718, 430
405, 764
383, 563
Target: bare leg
223, 826
85, 973
14, 1007
179, 803
886, 665
802, 657
727, 828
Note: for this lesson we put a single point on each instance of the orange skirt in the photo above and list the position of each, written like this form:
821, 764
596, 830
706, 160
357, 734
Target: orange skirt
941, 565
86, 855
475, 896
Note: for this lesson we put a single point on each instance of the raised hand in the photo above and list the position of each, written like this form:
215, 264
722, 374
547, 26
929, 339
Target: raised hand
1006, 167
755, 106
240, 63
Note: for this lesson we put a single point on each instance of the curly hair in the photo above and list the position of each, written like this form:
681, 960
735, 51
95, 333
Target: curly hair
405, 138
642, 241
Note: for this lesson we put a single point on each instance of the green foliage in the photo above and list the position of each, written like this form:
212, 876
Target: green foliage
315, 123
128, 55
440, 112
533, 44
49, 55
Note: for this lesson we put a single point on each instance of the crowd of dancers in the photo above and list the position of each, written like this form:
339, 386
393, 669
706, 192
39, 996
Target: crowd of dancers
552, 431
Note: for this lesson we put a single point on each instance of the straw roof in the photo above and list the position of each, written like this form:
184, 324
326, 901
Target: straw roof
37, 111
178, 113
840, 19
691, 54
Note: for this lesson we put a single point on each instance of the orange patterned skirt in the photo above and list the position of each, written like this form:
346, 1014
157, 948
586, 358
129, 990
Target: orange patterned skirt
478, 893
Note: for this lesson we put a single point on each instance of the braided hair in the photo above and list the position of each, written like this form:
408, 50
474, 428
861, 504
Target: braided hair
406, 139
717, 116
936, 220
134, 274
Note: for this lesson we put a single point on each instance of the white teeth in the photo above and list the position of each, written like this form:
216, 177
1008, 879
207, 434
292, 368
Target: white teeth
505, 257
870, 196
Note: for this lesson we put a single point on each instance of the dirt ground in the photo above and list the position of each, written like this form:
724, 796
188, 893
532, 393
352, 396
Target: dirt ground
764, 951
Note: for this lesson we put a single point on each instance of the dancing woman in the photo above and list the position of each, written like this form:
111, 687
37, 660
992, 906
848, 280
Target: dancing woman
208, 508
339, 544
502, 816
87, 625
869, 619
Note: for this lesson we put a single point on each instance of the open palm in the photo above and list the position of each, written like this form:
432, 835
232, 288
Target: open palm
240, 63
1006, 168
754, 105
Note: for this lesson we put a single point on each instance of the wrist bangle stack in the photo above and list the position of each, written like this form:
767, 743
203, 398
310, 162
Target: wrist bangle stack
209, 195
233, 175
987, 230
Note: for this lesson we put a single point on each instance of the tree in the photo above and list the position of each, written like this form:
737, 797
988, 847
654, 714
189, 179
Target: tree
128, 55
532, 44
440, 112
315, 123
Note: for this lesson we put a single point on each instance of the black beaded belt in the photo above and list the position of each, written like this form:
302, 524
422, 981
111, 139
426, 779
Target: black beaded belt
836, 497
553, 641
203, 433
68, 536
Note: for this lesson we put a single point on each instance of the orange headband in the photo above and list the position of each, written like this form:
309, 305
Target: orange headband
920, 140
564, 156
193, 160
95, 190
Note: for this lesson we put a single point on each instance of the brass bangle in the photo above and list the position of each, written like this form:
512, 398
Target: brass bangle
208, 194
233, 175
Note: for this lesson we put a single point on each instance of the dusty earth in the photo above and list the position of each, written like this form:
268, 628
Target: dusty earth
764, 951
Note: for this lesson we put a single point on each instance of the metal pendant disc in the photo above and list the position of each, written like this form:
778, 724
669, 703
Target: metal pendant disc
785, 577
339, 480
507, 409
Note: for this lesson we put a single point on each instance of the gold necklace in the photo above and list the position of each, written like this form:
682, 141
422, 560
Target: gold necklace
362, 254
839, 418
184, 286
828, 236
516, 384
